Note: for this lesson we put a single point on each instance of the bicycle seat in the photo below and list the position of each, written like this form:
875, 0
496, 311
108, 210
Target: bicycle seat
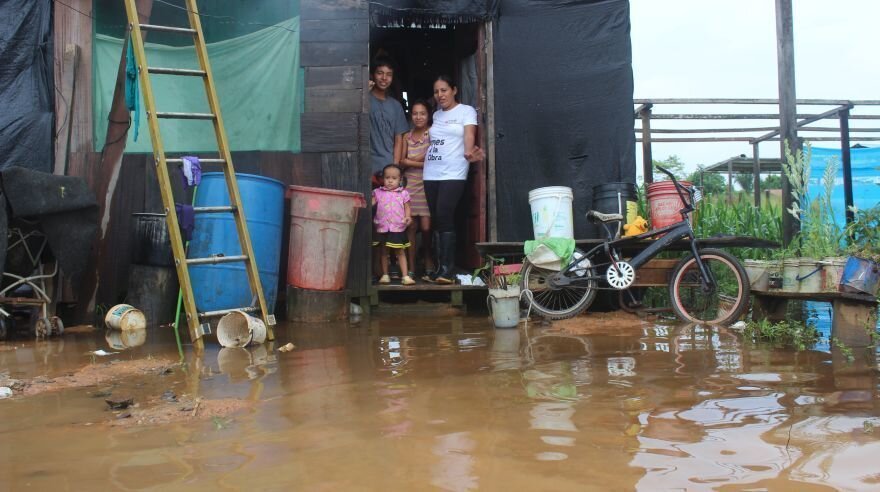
594, 216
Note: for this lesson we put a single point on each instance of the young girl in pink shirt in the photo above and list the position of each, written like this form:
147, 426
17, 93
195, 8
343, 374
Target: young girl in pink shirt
392, 218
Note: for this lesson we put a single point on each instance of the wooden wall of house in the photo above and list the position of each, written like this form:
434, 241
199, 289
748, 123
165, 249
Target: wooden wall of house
334, 41
72, 26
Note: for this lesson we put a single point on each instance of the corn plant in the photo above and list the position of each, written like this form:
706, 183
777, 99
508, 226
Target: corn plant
820, 235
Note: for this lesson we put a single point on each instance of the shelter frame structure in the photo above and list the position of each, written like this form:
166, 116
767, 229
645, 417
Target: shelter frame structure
841, 110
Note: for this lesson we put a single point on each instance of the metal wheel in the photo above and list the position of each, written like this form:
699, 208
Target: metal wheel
722, 304
57, 325
555, 302
42, 328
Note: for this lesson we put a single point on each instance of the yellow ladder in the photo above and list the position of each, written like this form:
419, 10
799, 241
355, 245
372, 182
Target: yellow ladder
196, 328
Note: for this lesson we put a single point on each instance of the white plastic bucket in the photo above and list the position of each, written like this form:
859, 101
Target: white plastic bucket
551, 212
239, 329
810, 276
125, 317
125, 339
790, 271
759, 275
504, 306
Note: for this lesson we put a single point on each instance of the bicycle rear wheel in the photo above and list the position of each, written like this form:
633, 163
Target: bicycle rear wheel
721, 304
560, 302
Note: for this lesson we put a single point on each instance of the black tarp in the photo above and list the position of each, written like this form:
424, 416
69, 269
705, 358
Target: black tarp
26, 85
563, 105
63, 207
405, 12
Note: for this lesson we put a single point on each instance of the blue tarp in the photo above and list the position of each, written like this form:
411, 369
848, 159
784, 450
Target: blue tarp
865, 175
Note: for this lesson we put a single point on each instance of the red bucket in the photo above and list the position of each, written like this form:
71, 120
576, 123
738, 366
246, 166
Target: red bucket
665, 203
321, 228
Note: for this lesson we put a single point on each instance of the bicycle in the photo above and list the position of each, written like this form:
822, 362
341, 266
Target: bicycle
707, 286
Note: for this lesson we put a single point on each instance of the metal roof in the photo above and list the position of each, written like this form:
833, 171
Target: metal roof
745, 165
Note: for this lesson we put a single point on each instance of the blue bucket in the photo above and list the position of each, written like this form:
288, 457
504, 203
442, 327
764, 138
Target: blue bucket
225, 285
860, 276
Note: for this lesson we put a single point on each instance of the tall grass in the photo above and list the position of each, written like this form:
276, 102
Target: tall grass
741, 218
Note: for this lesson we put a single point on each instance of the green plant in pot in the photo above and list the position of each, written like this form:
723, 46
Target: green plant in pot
862, 271
504, 291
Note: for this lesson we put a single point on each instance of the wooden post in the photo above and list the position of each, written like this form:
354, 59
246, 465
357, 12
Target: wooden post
647, 157
756, 170
111, 166
730, 181
490, 133
68, 84
787, 106
847, 164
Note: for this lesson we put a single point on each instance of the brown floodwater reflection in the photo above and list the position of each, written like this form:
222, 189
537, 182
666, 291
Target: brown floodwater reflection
413, 403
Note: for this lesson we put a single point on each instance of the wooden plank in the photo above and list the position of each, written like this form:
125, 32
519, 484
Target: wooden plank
62, 132
512, 248
334, 100
71, 27
335, 30
339, 171
346, 77
329, 132
820, 296
364, 132
333, 9
333, 54
308, 171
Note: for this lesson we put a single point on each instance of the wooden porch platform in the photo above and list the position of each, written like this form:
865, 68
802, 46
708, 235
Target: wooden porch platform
445, 297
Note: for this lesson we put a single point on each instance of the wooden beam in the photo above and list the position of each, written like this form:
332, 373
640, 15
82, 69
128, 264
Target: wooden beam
756, 174
647, 154
730, 181
787, 106
744, 116
717, 100
754, 129
68, 83
847, 164
492, 183
805, 121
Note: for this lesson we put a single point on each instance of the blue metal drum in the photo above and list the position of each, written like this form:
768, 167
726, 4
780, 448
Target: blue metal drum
225, 285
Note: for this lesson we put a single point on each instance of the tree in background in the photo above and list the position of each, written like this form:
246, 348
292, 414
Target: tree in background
710, 183
745, 181
772, 182
672, 164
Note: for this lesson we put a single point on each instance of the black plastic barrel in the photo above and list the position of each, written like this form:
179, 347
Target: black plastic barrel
612, 198
152, 245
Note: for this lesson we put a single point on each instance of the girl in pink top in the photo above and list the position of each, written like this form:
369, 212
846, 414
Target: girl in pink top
392, 218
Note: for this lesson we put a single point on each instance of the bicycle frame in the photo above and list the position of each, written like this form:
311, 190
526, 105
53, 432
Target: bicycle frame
668, 235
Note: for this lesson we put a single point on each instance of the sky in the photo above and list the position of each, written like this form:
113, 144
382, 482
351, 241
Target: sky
727, 49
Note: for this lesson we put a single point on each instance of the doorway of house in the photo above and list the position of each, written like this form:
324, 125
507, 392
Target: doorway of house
421, 53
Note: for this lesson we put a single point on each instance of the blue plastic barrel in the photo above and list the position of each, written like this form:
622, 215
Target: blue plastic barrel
225, 285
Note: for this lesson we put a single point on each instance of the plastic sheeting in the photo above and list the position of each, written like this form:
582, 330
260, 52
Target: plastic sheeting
865, 176
64, 208
26, 85
563, 105
258, 80
405, 12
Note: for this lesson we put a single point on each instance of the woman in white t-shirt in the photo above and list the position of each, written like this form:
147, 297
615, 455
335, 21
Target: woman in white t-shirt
453, 147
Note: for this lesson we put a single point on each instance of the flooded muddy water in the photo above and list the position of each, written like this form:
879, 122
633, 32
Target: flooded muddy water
420, 403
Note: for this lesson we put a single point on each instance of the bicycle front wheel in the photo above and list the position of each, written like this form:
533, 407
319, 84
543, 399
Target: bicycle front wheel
719, 304
556, 302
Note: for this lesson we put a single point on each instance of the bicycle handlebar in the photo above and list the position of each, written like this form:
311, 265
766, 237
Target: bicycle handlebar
688, 204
